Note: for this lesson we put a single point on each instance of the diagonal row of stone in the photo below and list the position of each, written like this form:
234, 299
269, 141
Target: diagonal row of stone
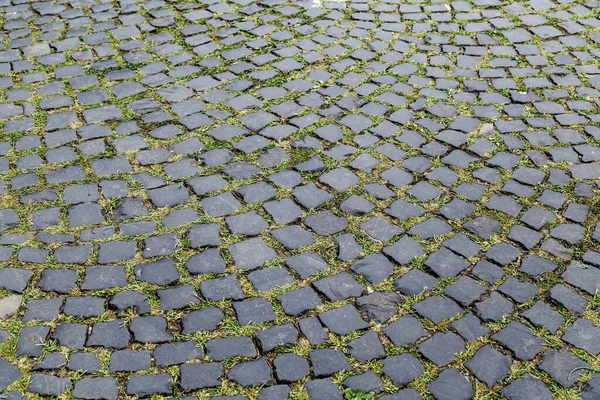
271, 199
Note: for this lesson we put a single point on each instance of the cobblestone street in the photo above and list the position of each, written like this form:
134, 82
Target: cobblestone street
270, 199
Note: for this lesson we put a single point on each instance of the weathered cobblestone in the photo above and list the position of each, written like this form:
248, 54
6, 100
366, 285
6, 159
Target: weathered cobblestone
269, 199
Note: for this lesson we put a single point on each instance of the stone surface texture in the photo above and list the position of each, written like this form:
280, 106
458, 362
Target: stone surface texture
271, 199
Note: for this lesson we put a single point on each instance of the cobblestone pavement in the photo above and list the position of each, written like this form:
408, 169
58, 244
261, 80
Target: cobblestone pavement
245, 199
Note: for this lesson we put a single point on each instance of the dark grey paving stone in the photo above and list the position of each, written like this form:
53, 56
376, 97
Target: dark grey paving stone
205, 235
284, 211
103, 277
160, 245
450, 384
75, 194
32, 255
525, 387
168, 196
162, 272
367, 347
298, 301
380, 229
313, 330
210, 261
131, 299
348, 247
216, 157
84, 306
568, 298
472, 191
206, 184
581, 335
376, 268
224, 348
379, 306
266, 279
404, 250
489, 365
137, 228
559, 363
525, 236
48, 385
470, 327
438, 308
582, 276
114, 166
15, 279
251, 373
293, 237
519, 291
177, 353
256, 192
442, 348
487, 271
42, 310
10, 374
147, 385
218, 206
340, 179
85, 214
255, 311
557, 249
178, 298
201, 375
131, 207
96, 388
590, 390
520, 340
204, 320
484, 227
465, 290
402, 369
150, 329
241, 170
72, 336
366, 382
405, 331
446, 264
310, 196
323, 389
326, 362
227, 287
278, 335
46, 218
113, 252
112, 334
577, 212
326, 223
537, 217
252, 253
339, 287
274, 392
273, 157
415, 282
51, 361
343, 320
307, 264
542, 315
494, 308
84, 362
290, 368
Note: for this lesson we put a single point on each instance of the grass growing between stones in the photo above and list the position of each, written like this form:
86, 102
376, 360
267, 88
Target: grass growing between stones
340, 77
